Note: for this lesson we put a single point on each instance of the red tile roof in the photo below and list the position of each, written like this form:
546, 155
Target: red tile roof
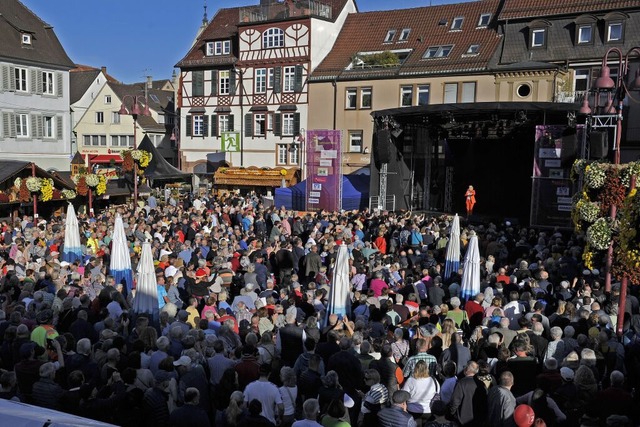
366, 32
520, 9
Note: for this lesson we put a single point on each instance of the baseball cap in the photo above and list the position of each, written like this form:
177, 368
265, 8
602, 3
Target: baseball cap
183, 361
567, 374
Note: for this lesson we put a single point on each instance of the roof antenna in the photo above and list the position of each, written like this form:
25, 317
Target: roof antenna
205, 19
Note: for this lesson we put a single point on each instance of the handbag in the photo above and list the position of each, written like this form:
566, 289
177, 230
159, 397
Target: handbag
436, 397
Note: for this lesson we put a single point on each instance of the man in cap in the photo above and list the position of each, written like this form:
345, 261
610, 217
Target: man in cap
396, 415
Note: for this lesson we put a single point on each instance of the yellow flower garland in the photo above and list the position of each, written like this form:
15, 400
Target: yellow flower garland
46, 190
101, 188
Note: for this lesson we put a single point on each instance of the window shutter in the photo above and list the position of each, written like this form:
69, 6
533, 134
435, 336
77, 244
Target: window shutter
214, 125
297, 85
232, 83
59, 85
197, 83
296, 123
248, 124
59, 128
277, 79
33, 80
12, 78
232, 126
277, 124
38, 131
188, 130
34, 126
39, 83
214, 82
205, 125
9, 125
4, 78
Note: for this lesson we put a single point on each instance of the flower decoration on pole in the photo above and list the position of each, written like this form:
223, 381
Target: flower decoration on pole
140, 157
627, 252
68, 194
101, 188
24, 195
34, 184
46, 189
81, 185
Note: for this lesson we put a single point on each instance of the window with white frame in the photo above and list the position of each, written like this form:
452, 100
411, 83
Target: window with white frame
95, 140
614, 31
484, 20
294, 152
259, 122
210, 48
438, 51
468, 92
450, 93
222, 47
22, 125
390, 36
406, 96
226, 47
473, 49
223, 123
270, 121
261, 80
223, 82
585, 33
272, 38
287, 124
26, 39
289, 79
351, 97
282, 153
115, 117
355, 141
198, 125
107, 99
456, 25
404, 35
21, 80
423, 94
99, 117
47, 83
48, 127
270, 78
581, 79
365, 97
122, 140
537, 37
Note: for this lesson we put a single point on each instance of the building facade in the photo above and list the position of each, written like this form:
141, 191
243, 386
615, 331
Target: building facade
34, 90
250, 78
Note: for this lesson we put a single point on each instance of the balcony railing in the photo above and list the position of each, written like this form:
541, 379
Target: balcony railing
570, 97
275, 11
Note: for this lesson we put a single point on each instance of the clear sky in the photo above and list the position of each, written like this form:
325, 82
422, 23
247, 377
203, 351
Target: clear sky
136, 38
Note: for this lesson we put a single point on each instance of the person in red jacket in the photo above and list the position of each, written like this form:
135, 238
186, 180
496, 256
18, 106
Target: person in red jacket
471, 199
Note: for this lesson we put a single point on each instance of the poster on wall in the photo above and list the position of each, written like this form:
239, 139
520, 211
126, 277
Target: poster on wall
324, 170
556, 147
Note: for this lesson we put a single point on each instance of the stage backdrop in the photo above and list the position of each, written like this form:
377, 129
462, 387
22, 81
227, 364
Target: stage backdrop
324, 170
556, 147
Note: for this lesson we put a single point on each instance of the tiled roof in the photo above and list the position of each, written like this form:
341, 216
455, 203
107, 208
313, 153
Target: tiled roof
159, 100
16, 19
79, 82
223, 26
521, 9
430, 26
81, 67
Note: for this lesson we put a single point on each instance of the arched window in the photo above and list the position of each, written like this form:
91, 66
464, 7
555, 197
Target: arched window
273, 37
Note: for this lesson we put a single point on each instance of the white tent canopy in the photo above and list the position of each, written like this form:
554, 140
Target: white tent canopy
16, 414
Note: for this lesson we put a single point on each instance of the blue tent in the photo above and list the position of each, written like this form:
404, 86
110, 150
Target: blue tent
355, 194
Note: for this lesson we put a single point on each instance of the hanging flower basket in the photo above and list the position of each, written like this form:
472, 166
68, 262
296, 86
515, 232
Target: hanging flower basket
46, 190
81, 186
599, 234
92, 180
34, 184
594, 176
588, 211
68, 194
24, 194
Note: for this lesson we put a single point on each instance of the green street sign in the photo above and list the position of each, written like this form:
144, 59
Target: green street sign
230, 141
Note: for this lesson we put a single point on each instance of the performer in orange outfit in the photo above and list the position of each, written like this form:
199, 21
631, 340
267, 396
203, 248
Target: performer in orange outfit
471, 199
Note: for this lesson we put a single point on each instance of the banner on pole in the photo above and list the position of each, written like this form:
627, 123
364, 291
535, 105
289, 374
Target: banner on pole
324, 170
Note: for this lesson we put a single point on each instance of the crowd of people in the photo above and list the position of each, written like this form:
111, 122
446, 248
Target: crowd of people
243, 335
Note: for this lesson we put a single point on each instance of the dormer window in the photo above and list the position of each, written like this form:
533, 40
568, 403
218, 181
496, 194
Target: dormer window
484, 20
614, 32
390, 36
26, 39
456, 25
404, 35
437, 52
538, 37
473, 49
585, 34
218, 48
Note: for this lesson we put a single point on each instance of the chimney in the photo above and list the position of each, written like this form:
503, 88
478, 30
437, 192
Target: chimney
104, 70
149, 82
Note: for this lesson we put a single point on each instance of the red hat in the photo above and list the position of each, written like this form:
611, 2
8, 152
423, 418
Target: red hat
524, 415
201, 272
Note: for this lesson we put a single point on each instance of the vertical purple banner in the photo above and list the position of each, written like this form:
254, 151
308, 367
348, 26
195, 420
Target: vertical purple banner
324, 170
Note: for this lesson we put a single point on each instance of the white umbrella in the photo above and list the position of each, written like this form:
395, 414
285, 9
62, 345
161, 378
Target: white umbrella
18, 414
452, 259
339, 302
120, 267
471, 269
146, 299
71, 250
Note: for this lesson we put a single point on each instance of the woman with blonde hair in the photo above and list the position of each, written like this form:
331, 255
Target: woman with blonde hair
448, 328
422, 389
230, 416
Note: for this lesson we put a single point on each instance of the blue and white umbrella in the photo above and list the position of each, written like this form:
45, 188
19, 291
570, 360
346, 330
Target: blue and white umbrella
146, 298
71, 249
452, 259
339, 301
120, 267
471, 269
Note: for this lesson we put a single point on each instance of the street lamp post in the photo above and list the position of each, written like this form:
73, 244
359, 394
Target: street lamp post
175, 138
134, 112
616, 91
298, 144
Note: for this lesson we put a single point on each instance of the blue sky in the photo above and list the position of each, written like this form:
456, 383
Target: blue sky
136, 38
